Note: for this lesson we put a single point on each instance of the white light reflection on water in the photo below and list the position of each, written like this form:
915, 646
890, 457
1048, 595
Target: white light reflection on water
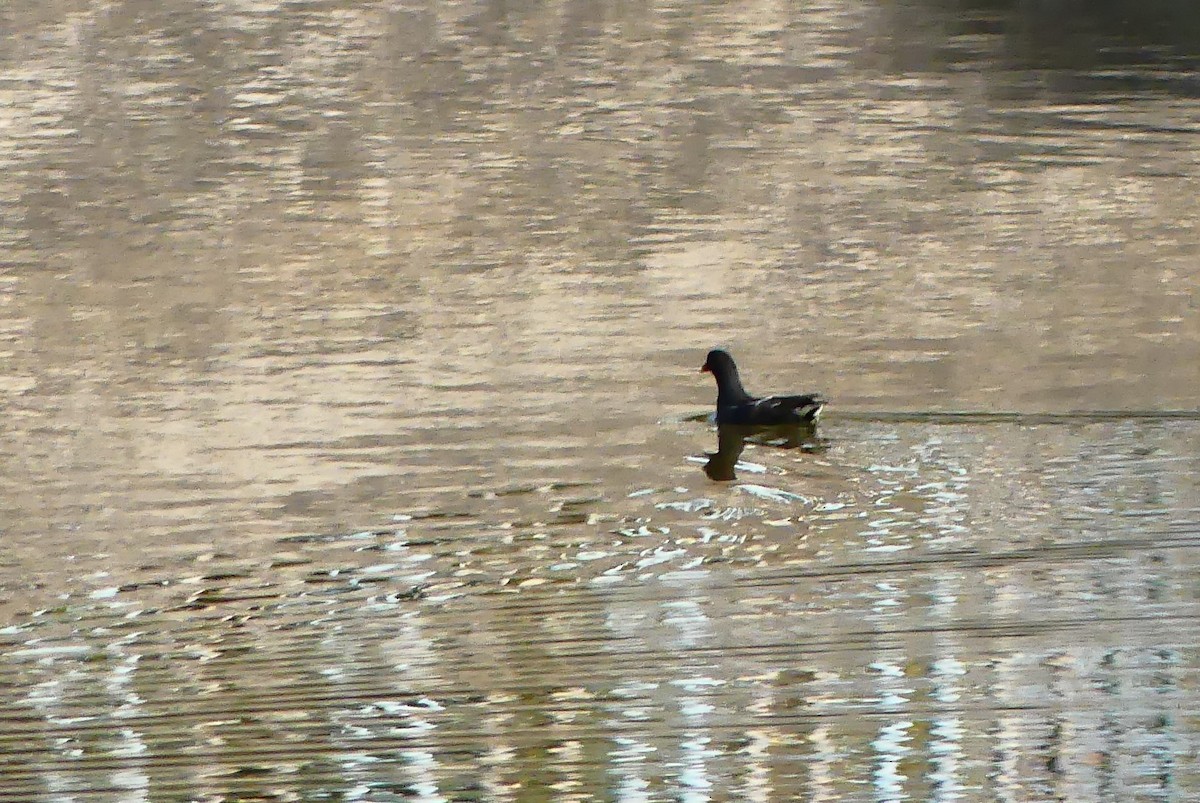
946, 755
628, 766
891, 747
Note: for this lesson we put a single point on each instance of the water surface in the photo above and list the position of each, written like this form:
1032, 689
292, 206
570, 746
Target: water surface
351, 437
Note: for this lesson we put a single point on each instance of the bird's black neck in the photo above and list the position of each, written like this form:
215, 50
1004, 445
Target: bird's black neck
729, 387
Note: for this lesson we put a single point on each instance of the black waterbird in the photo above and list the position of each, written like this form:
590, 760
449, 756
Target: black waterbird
736, 406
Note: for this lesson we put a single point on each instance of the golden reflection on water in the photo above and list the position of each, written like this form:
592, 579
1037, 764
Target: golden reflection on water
349, 439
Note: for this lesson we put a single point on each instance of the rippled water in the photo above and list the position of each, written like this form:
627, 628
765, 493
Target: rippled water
353, 441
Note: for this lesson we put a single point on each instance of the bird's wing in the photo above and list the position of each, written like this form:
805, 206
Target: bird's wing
803, 405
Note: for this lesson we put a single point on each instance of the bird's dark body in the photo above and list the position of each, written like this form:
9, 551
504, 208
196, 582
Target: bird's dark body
736, 406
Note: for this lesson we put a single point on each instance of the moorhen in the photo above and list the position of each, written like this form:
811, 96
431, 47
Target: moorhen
736, 406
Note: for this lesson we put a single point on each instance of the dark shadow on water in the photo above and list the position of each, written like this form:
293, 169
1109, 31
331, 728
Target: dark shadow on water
1082, 34
1174, 23
731, 442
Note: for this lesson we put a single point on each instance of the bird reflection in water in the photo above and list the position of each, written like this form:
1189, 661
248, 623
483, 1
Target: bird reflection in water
731, 442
